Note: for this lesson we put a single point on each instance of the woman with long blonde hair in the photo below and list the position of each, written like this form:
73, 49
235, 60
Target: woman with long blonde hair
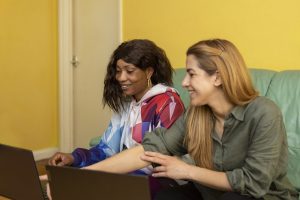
236, 138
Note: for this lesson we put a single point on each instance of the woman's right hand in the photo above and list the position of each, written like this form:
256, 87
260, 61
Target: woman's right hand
61, 159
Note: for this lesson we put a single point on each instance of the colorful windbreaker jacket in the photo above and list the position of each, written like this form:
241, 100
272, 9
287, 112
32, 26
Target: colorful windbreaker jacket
159, 107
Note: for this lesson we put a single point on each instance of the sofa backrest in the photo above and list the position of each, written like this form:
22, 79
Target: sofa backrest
284, 89
177, 79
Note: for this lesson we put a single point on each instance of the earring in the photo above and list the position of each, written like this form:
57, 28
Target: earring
149, 82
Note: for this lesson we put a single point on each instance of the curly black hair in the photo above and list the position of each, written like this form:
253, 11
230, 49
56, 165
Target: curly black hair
141, 53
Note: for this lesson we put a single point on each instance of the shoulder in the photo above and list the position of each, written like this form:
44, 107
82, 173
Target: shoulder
263, 108
169, 94
263, 104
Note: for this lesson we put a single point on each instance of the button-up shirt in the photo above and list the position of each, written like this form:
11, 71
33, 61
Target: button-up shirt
252, 151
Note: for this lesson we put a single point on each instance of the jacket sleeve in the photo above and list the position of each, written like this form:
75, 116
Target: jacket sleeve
108, 146
84, 157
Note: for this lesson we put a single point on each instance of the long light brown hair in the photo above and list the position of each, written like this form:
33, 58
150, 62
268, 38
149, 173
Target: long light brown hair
222, 56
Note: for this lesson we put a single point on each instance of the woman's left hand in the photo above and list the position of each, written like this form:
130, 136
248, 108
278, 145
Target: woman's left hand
170, 166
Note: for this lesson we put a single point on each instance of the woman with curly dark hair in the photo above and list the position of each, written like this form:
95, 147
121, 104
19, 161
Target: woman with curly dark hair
137, 87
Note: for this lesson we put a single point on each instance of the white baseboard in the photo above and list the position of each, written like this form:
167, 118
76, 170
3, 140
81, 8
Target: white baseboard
44, 153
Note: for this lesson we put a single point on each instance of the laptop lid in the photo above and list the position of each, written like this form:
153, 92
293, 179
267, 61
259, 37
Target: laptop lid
74, 183
19, 177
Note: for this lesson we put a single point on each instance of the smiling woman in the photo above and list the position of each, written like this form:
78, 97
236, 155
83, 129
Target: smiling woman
236, 138
137, 87
134, 81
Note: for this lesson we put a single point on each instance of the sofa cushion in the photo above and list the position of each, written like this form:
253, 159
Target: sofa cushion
177, 79
284, 90
261, 79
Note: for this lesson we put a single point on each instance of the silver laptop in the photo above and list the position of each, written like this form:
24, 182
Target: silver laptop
78, 184
19, 177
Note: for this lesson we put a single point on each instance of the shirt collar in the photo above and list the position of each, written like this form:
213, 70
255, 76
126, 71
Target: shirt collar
238, 112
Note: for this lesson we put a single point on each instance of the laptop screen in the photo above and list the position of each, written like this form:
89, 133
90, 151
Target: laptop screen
19, 177
74, 183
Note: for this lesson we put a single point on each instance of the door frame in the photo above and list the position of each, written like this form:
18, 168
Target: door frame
65, 75
65, 71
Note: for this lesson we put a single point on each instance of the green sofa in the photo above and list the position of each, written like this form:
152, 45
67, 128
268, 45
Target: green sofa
284, 89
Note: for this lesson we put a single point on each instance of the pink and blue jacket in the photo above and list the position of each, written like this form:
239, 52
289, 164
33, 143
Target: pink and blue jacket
159, 107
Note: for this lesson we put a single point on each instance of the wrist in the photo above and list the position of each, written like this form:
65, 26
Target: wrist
76, 159
190, 172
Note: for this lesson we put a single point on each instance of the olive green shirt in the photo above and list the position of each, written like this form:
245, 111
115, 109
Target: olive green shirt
252, 151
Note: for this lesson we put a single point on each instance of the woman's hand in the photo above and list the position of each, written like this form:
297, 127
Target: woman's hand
48, 192
61, 159
170, 166
43, 177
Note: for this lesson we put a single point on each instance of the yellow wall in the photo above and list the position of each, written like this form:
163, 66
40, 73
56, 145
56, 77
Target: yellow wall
267, 32
28, 73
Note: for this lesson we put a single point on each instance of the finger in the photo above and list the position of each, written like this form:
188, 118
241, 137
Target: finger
156, 154
153, 159
50, 161
159, 174
61, 164
54, 159
43, 177
160, 169
49, 192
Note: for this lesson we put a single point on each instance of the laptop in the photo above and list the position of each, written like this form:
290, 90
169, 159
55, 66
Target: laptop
19, 178
77, 184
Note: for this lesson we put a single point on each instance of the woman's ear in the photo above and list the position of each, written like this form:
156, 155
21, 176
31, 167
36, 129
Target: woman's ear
149, 72
218, 80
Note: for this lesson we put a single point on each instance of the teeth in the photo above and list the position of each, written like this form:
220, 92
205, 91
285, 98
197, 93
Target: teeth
191, 92
124, 86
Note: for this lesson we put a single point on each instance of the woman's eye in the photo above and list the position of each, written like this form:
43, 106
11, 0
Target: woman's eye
130, 71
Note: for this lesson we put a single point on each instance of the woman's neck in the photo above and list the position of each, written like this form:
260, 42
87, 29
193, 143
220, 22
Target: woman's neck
140, 96
221, 107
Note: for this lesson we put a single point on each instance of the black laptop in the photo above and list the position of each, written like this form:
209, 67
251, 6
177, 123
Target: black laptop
78, 184
19, 178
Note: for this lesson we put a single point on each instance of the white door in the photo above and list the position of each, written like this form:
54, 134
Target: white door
96, 33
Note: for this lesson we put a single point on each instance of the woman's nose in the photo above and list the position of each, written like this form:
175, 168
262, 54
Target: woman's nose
121, 76
185, 81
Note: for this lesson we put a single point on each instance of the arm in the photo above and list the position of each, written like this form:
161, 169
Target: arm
262, 164
174, 168
84, 157
124, 162
130, 159
108, 146
258, 170
78, 158
265, 162
209, 178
